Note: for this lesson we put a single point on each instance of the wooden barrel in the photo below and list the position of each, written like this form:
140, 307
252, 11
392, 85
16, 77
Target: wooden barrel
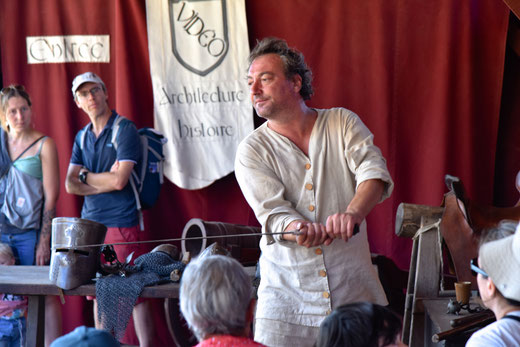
243, 248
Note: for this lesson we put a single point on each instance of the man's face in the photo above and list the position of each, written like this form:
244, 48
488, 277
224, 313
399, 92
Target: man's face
92, 99
271, 91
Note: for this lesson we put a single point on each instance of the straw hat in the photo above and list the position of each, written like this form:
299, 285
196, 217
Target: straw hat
501, 260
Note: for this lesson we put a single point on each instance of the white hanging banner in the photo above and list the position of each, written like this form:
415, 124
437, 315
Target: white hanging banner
198, 62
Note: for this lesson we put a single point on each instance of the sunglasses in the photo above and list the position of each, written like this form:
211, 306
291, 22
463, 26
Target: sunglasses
475, 269
11, 88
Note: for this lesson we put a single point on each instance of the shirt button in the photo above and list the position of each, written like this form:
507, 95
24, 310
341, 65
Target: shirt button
318, 251
311, 208
308, 186
326, 295
307, 166
322, 273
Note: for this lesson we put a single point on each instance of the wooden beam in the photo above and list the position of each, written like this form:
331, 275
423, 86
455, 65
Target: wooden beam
514, 6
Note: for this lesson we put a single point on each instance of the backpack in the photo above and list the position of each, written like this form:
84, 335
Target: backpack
147, 176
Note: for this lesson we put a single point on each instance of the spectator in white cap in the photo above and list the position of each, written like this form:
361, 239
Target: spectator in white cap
100, 172
498, 278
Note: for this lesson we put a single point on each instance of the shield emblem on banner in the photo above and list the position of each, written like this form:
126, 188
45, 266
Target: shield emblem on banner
199, 32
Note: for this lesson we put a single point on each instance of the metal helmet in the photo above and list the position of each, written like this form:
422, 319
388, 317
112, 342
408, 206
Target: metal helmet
72, 265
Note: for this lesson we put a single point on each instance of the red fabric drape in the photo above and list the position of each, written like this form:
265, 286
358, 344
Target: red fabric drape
426, 78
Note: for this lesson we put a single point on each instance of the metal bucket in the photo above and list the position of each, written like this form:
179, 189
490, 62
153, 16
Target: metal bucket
71, 265
245, 249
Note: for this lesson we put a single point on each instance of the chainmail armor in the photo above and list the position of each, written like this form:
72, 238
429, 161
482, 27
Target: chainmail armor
117, 295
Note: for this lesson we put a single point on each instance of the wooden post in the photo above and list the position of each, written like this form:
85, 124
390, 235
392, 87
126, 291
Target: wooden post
409, 218
426, 278
36, 319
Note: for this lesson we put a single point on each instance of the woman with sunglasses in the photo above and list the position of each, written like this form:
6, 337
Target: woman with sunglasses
498, 276
29, 186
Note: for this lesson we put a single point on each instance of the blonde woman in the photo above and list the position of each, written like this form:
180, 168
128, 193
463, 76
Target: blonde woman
29, 187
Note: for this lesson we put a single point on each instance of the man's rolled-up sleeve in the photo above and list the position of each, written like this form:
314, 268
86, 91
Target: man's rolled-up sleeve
364, 158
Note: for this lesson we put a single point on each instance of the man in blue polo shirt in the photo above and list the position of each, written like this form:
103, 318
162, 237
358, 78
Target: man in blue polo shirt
101, 174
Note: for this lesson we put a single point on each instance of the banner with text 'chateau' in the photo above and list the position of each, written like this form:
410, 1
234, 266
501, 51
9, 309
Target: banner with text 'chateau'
198, 62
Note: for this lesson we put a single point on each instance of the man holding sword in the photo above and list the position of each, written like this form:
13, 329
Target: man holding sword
316, 171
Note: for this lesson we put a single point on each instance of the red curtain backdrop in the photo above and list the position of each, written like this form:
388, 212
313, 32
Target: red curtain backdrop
426, 78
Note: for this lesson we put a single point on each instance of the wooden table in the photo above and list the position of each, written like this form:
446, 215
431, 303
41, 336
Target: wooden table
437, 320
33, 281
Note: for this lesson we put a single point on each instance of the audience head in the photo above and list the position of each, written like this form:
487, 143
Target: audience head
360, 324
86, 77
215, 297
6, 255
499, 259
8, 93
86, 337
292, 60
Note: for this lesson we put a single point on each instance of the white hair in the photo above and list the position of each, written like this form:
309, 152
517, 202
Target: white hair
6, 250
215, 293
503, 229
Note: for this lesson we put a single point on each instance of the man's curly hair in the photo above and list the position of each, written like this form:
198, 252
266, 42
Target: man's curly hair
293, 61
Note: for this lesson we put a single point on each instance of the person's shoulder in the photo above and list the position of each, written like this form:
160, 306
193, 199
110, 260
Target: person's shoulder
492, 335
256, 135
125, 124
337, 117
336, 113
48, 144
121, 119
341, 111
253, 143
40, 139
480, 337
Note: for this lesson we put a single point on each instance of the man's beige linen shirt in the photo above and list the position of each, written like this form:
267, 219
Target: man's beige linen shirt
302, 285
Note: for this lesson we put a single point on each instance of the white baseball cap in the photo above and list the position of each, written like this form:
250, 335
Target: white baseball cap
84, 78
500, 259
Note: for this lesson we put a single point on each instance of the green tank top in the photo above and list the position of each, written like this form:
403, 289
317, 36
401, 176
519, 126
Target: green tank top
31, 165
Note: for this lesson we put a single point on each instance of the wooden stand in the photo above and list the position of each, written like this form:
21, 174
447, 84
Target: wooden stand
422, 224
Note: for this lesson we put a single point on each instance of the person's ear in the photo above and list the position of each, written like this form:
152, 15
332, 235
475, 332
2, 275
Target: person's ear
76, 100
490, 288
297, 81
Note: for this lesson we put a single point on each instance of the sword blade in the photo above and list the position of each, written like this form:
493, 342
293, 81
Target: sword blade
292, 232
